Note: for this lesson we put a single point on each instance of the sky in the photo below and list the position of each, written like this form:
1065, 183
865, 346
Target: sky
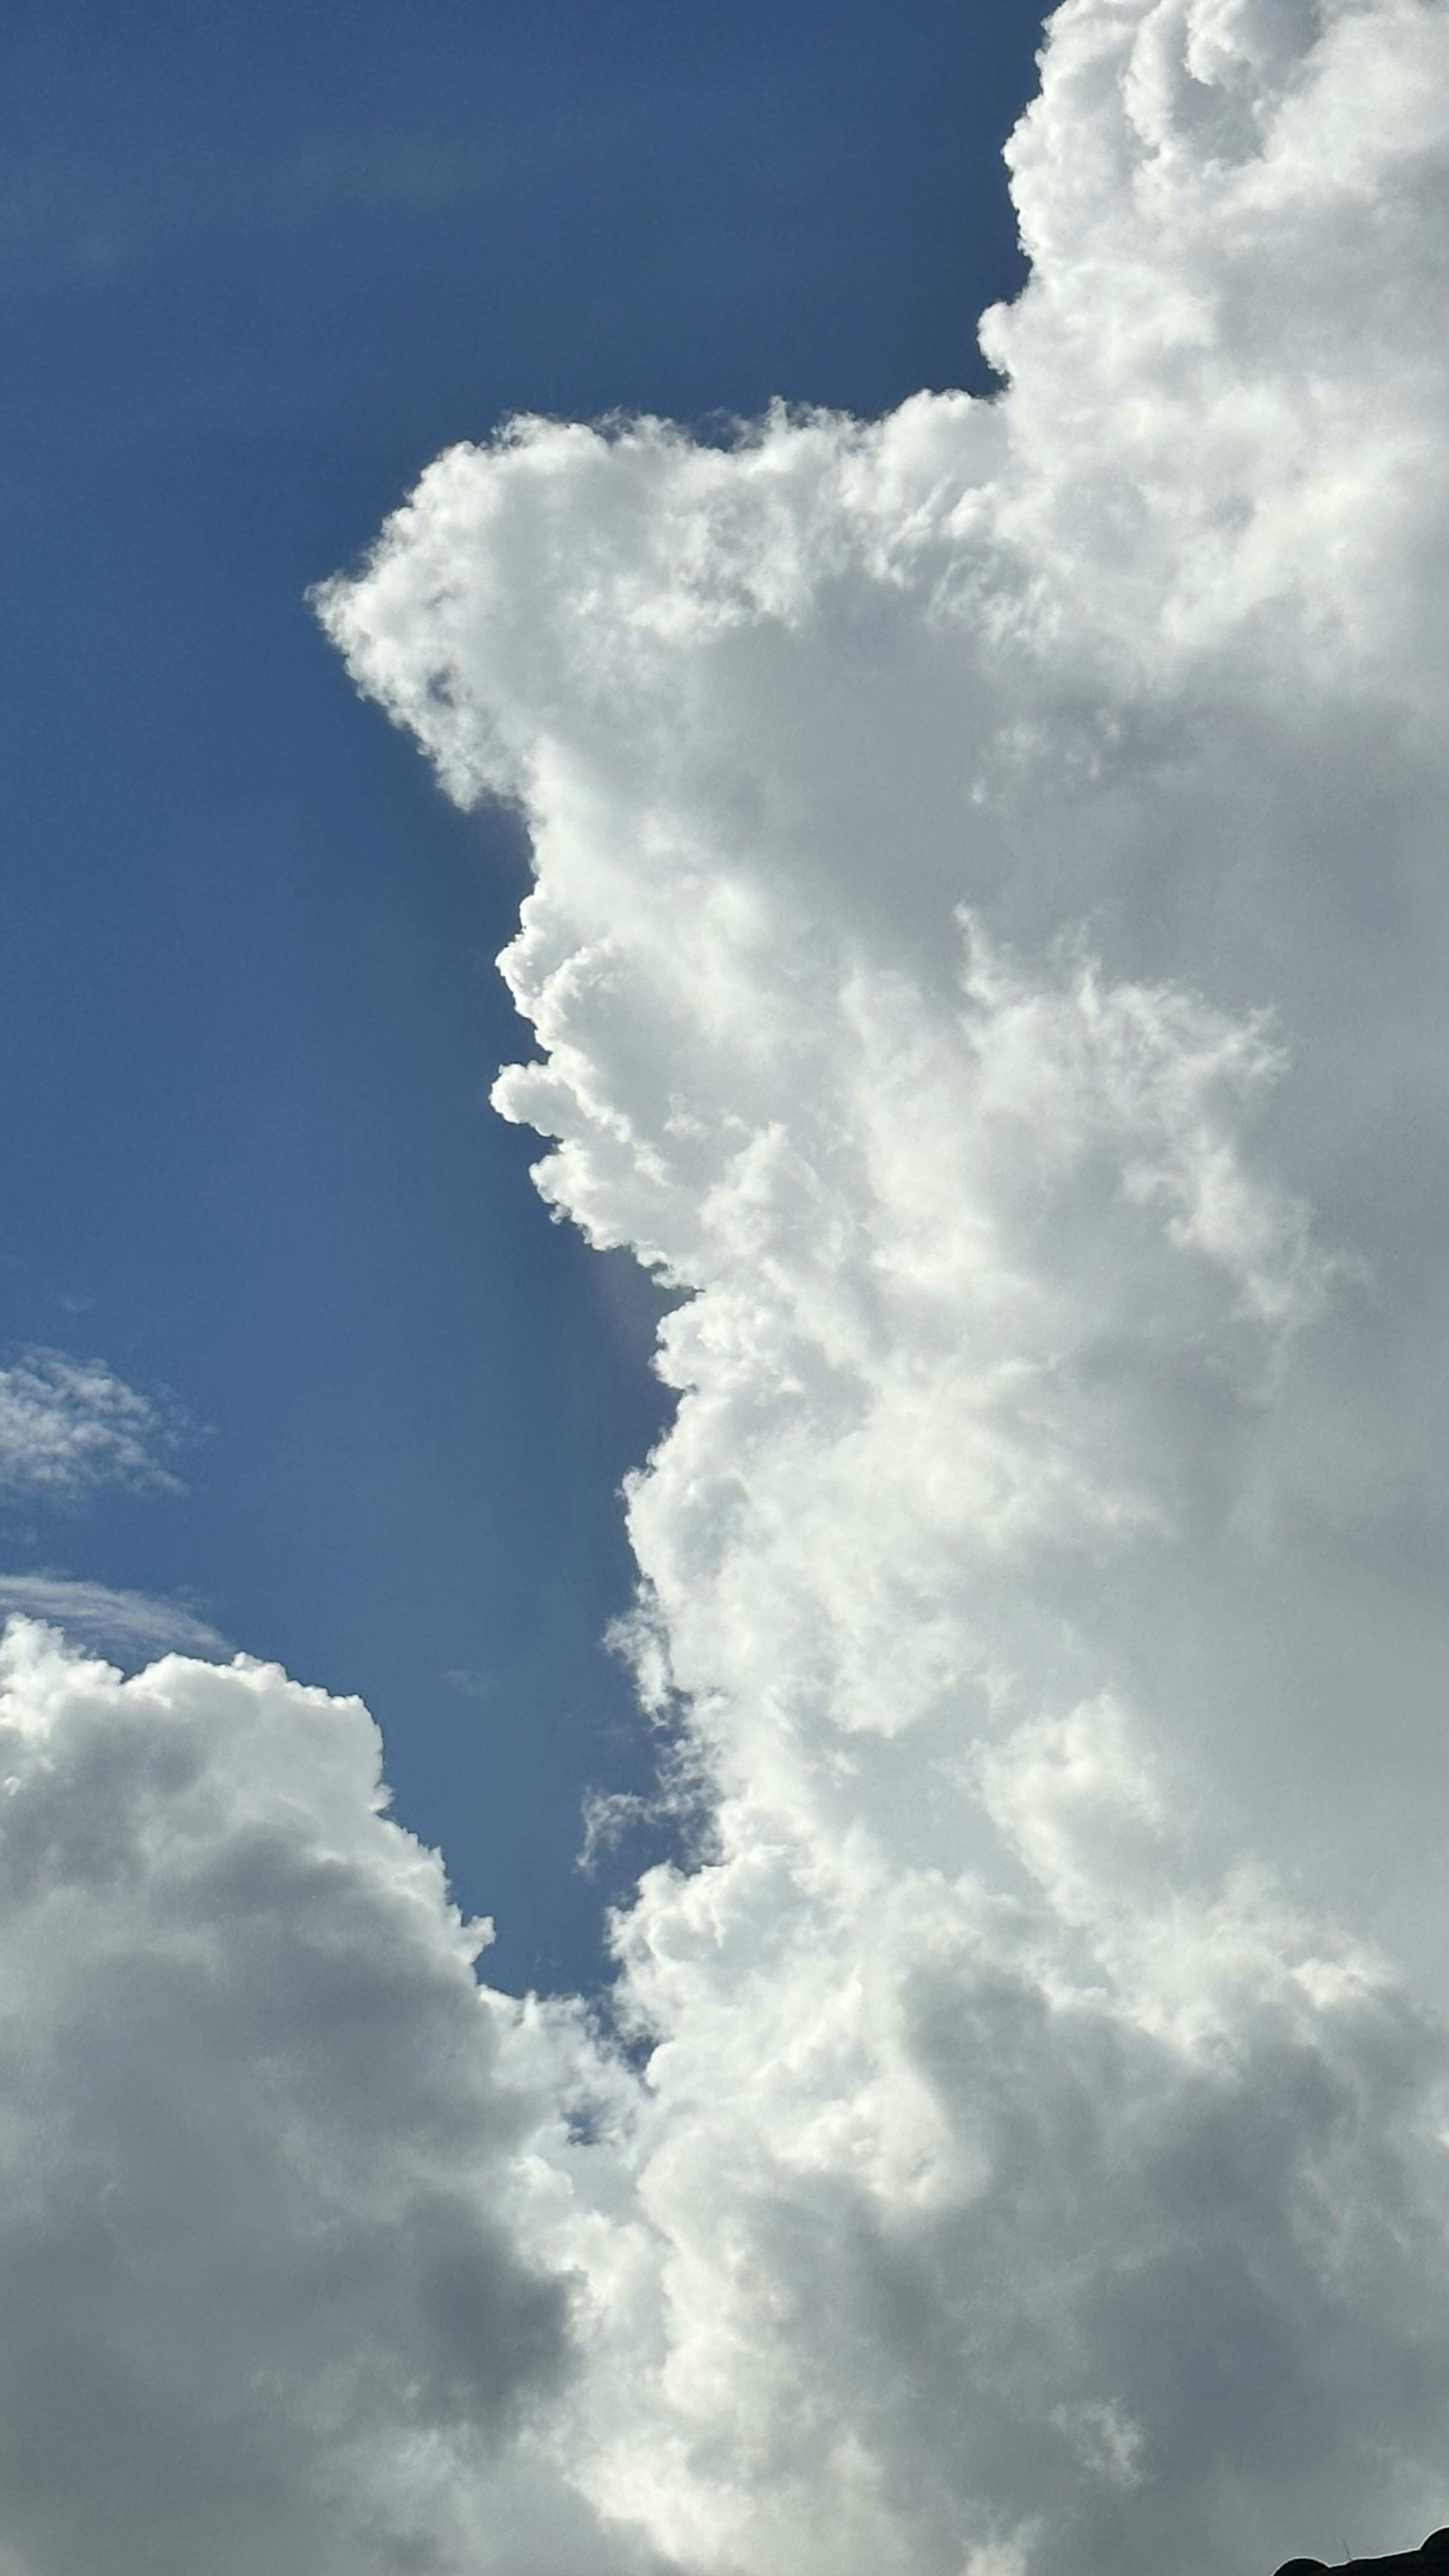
963, 829
257, 266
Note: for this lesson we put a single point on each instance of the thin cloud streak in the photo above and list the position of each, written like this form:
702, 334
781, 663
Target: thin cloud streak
131, 1622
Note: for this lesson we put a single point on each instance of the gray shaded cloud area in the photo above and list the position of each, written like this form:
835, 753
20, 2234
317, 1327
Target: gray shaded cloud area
254, 2269
986, 949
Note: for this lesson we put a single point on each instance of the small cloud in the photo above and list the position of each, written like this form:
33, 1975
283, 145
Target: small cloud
1107, 2442
69, 1426
125, 1622
610, 1814
471, 1685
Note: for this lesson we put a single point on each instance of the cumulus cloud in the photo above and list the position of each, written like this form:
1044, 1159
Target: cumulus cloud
68, 1426
261, 2189
983, 953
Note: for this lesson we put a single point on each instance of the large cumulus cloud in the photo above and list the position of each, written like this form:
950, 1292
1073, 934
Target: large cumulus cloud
982, 953
985, 950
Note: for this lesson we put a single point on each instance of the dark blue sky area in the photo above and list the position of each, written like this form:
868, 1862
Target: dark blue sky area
257, 265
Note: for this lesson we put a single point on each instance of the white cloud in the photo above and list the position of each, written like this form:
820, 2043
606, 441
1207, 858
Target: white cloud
68, 1426
127, 1622
983, 949
1146, 646
261, 2179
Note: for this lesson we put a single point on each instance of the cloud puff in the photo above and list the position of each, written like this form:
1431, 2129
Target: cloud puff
982, 952
67, 1426
1096, 2221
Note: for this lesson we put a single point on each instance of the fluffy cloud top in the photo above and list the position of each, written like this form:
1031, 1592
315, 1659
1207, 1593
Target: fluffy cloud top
984, 952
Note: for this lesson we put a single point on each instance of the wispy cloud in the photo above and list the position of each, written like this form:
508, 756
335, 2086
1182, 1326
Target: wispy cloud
69, 1426
142, 1623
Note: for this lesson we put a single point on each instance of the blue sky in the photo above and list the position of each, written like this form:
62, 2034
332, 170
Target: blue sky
258, 265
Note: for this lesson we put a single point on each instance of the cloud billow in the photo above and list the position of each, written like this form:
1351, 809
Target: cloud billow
262, 2301
982, 951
